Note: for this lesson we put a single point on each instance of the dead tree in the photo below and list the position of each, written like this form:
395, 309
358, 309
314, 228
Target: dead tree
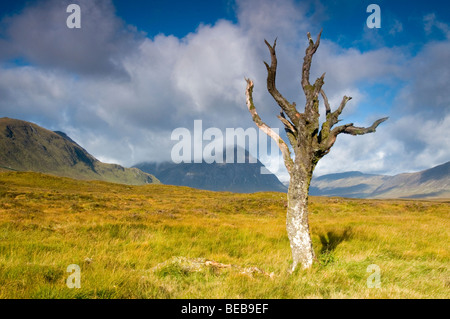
308, 143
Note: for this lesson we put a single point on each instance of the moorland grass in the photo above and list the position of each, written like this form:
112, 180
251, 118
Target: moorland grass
120, 236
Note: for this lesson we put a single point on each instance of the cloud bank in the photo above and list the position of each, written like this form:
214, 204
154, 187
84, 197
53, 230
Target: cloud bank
120, 93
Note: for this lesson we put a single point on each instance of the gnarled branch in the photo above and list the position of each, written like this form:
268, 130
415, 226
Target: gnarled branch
329, 141
289, 128
287, 107
287, 125
363, 130
311, 91
310, 50
325, 101
267, 129
331, 117
334, 117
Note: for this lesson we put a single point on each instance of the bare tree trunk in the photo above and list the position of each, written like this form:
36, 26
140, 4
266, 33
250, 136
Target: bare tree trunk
297, 224
310, 144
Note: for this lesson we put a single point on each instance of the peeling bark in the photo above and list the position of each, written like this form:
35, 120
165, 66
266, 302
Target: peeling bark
308, 142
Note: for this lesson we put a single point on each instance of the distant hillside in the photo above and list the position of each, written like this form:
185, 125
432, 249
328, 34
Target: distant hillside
232, 177
433, 182
25, 146
348, 184
430, 183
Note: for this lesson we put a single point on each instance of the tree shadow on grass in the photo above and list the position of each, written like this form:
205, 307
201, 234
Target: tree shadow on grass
332, 239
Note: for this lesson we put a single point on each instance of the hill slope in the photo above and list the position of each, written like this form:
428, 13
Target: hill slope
433, 182
25, 146
430, 183
348, 184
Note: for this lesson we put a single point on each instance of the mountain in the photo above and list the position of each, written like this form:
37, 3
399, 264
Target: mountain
233, 177
430, 183
348, 184
433, 182
25, 146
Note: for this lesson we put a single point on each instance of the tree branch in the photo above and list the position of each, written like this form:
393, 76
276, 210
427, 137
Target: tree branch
289, 128
287, 107
310, 50
266, 129
334, 117
325, 101
311, 91
312, 101
330, 139
288, 125
363, 130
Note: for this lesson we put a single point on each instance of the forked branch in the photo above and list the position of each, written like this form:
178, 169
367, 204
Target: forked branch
310, 50
330, 139
287, 107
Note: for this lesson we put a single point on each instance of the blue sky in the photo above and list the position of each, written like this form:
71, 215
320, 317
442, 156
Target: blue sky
137, 70
343, 20
173, 17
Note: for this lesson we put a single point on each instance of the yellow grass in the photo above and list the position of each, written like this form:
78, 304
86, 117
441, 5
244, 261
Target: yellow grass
124, 239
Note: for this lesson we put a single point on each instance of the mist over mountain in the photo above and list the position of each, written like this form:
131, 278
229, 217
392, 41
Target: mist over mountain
25, 146
232, 177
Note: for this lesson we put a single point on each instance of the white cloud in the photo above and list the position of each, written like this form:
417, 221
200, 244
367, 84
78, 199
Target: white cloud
428, 75
211, 69
164, 82
40, 36
396, 28
430, 22
348, 67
